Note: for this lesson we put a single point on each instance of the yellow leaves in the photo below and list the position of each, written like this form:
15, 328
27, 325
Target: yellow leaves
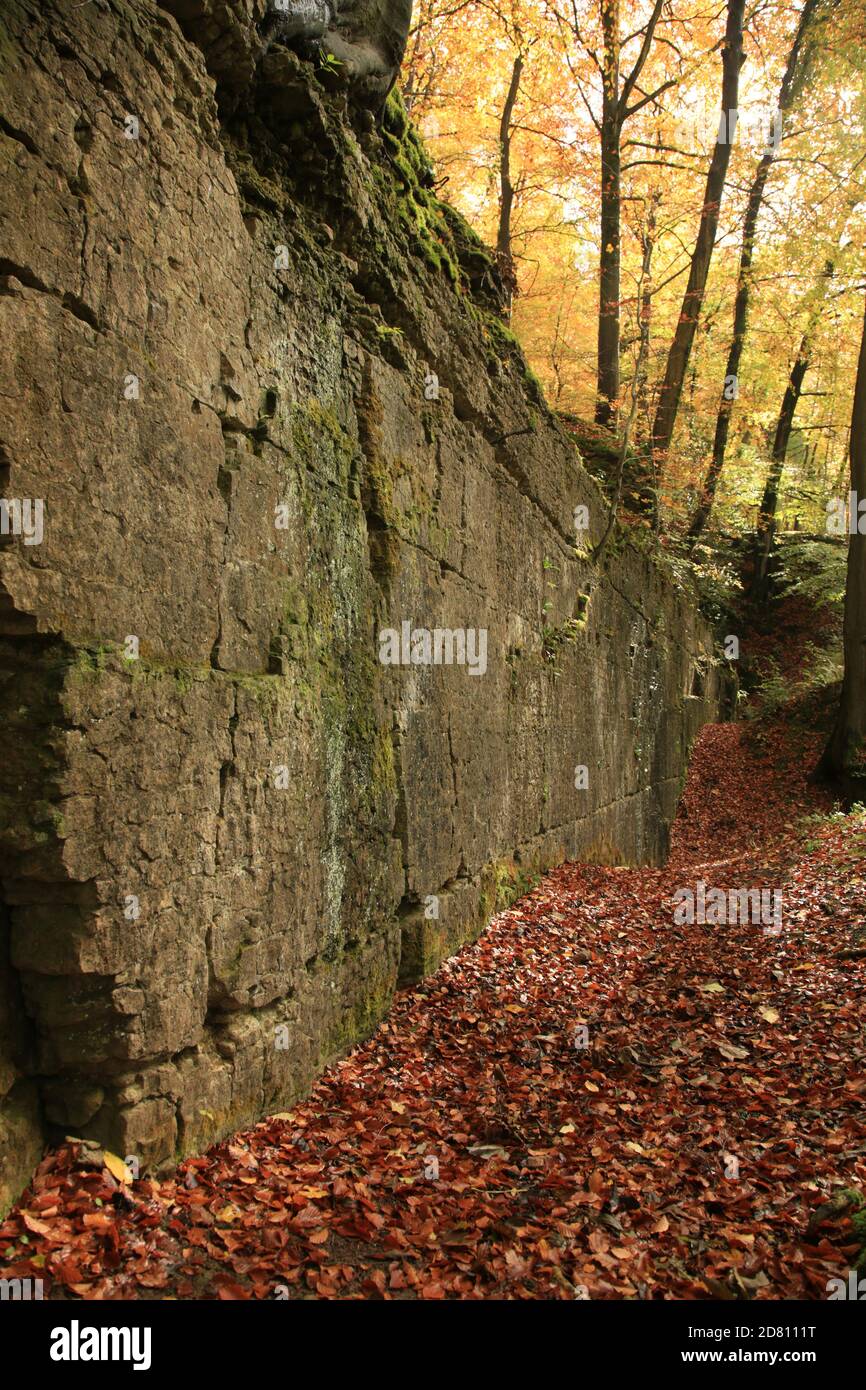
117, 1168
459, 78
768, 1015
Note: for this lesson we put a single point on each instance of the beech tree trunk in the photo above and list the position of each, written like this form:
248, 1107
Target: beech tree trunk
766, 529
741, 305
681, 346
506, 187
843, 756
607, 392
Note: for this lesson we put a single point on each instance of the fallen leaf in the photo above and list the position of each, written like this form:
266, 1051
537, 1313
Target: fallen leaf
117, 1168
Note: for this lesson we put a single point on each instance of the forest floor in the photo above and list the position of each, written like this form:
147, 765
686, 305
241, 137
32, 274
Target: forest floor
591, 1101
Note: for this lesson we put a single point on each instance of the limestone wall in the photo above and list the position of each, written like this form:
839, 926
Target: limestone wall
226, 828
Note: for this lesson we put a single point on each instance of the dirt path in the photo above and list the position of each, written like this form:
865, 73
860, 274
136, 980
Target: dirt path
483, 1145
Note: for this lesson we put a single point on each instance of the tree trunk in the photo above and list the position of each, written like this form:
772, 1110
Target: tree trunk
741, 305
645, 284
607, 390
506, 187
843, 756
645, 310
766, 529
681, 346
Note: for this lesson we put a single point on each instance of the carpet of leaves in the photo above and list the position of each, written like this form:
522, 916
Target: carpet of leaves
696, 1148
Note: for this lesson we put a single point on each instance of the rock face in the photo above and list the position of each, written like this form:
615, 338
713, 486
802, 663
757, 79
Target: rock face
258, 415
360, 43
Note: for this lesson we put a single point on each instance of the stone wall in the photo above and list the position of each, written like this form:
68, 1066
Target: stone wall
226, 828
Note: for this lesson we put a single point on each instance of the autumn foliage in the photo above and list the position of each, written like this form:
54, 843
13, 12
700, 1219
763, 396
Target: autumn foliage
458, 76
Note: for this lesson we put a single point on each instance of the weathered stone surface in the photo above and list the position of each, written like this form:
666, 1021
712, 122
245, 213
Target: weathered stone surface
218, 854
359, 42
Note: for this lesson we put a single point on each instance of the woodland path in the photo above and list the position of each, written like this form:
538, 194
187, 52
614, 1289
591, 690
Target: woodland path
682, 1154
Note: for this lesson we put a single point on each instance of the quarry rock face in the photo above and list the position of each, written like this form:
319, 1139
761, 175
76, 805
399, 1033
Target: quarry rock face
305, 667
360, 43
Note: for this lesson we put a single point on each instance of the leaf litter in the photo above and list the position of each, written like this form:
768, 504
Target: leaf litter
589, 1102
